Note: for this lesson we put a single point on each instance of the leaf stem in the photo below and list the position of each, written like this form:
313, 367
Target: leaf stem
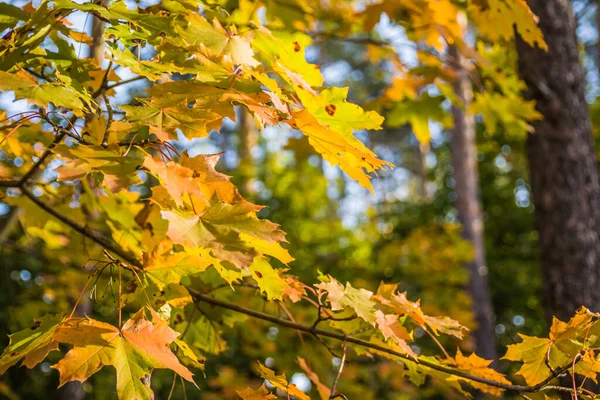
120, 295
81, 295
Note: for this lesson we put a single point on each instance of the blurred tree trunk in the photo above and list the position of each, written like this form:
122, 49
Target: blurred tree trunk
562, 159
97, 46
464, 166
421, 173
247, 141
598, 30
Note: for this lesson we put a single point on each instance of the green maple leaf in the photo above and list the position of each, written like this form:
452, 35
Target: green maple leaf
41, 94
358, 300
165, 267
10, 15
223, 228
31, 344
532, 352
267, 278
203, 336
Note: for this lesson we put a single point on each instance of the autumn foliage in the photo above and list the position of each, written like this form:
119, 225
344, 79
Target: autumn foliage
191, 250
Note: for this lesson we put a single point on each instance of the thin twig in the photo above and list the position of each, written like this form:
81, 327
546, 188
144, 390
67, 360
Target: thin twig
172, 386
34, 169
183, 387
108, 121
339, 373
575, 359
81, 229
126, 81
81, 295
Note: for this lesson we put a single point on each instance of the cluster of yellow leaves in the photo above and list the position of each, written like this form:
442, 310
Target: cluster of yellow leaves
439, 24
497, 19
569, 343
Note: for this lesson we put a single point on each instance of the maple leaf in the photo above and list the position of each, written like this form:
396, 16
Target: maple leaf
268, 279
279, 381
566, 340
589, 366
135, 351
330, 108
83, 160
512, 113
294, 289
199, 31
176, 179
121, 211
269, 248
569, 336
203, 335
533, 353
357, 299
31, 344
478, 366
188, 356
497, 19
27, 87
221, 227
390, 328
338, 149
166, 116
284, 52
262, 393
212, 181
219, 101
11, 15
399, 303
163, 266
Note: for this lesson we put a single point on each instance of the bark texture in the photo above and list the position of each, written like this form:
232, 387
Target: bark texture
247, 141
468, 204
562, 159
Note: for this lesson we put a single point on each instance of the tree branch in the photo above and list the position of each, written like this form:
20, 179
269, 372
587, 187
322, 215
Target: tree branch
60, 136
350, 339
334, 394
89, 233
313, 330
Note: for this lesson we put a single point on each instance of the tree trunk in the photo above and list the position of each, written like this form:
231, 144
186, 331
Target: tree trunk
564, 176
464, 165
247, 141
421, 173
97, 46
598, 30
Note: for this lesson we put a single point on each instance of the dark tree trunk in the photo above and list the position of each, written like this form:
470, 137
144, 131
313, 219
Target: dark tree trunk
564, 176
468, 204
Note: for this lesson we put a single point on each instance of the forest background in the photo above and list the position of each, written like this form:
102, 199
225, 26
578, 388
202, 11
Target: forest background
453, 221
